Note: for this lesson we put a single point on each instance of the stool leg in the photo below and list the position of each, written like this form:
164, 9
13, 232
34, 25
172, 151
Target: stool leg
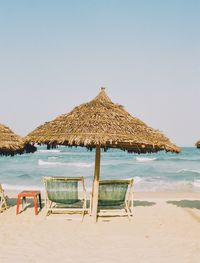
35, 205
40, 201
23, 202
18, 204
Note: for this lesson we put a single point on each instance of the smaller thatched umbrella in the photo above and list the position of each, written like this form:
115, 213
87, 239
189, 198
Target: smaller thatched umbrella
197, 144
98, 124
11, 144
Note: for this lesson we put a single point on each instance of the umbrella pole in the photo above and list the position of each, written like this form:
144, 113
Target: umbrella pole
95, 190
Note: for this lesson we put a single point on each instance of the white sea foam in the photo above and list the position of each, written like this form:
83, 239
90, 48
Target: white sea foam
41, 163
86, 165
115, 162
145, 159
21, 187
185, 186
163, 186
45, 163
196, 183
137, 179
52, 158
49, 151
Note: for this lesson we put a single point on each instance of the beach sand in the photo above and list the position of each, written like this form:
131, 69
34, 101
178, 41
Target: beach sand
165, 228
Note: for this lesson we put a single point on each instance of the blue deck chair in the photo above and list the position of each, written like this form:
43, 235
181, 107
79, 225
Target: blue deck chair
115, 198
63, 195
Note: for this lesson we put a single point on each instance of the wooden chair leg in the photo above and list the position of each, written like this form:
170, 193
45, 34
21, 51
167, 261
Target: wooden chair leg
3, 204
6, 203
48, 210
127, 211
18, 204
35, 205
82, 216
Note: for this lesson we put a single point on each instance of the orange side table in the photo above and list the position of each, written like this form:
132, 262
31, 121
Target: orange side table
36, 195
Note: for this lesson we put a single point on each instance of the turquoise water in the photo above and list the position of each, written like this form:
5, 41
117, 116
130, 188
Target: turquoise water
152, 172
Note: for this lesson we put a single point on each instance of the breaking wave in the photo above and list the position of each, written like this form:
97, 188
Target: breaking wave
21, 187
188, 171
52, 158
137, 179
45, 163
196, 183
49, 151
145, 159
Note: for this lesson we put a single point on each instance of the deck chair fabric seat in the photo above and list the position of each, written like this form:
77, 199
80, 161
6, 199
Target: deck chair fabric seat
63, 195
112, 193
62, 191
115, 195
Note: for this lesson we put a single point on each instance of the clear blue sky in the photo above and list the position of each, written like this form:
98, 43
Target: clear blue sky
56, 54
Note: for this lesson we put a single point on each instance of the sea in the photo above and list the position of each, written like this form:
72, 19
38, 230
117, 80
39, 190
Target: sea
156, 172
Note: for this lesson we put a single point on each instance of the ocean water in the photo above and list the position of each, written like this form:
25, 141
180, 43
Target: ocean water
151, 172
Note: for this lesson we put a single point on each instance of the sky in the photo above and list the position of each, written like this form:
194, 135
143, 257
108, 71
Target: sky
55, 55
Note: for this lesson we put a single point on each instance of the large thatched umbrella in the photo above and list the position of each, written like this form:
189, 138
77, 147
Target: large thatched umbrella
10, 143
101, 124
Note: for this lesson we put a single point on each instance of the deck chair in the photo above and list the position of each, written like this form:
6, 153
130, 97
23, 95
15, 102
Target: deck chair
115, 198
3, 203
63, 196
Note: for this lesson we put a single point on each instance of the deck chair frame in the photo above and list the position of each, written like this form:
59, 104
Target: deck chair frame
127, 208
3, 203
53, 207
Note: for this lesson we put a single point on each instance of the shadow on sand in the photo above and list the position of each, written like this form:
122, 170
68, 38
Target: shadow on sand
12, 202
186, 203
143, 203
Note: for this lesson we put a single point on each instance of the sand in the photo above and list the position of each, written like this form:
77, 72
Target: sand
165, 228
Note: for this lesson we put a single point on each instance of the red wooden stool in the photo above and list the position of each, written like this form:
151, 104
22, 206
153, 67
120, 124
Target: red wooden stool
36, 197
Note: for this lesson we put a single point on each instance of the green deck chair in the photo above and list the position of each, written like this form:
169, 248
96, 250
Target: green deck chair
63, 196
115, 198
3, 203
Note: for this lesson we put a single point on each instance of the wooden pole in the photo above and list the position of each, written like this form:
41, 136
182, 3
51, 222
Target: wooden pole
95, 191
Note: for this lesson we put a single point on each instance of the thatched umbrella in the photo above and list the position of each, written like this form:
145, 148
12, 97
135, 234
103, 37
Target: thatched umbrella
10, 143
197, 144
101, 124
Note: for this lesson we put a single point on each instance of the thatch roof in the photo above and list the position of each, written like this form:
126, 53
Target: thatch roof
10, 143
102, 122
197, 144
